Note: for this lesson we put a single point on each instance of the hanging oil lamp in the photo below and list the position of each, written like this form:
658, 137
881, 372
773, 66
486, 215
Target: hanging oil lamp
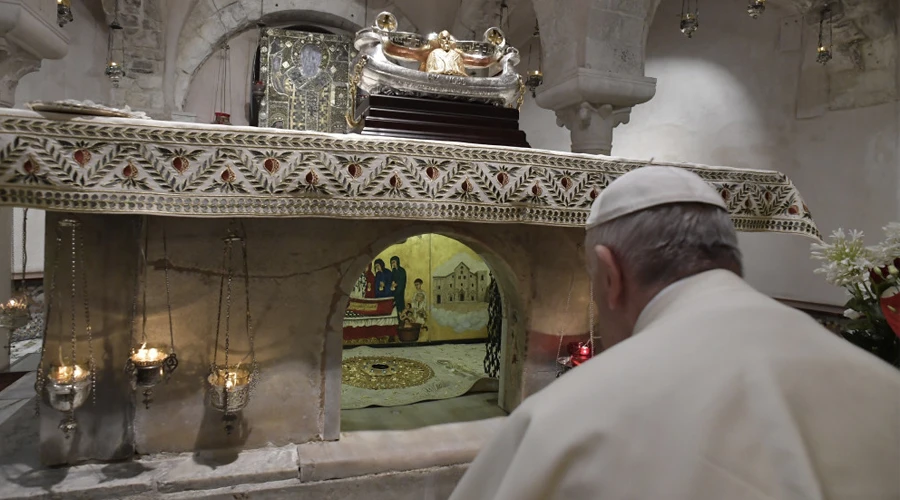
223, 117
64, 12
535, 77
148, 365
756, 7
14, 313
230, 384
823, 49
690, 17
115, 58
67, 385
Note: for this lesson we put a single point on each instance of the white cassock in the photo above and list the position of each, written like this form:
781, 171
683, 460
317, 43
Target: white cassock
722, 394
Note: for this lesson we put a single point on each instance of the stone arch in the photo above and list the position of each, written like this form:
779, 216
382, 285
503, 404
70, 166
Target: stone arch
208, 25
513, 347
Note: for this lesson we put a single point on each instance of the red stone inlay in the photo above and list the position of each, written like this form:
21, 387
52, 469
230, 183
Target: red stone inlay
536, 190
312, 178
768, 196
228, 176
794, 210
82, 156
432, 172
503, 178
30, 167
129, 171
271, 165
180, 163
594, 193
395, 181
726, 194
354, 169
566, 183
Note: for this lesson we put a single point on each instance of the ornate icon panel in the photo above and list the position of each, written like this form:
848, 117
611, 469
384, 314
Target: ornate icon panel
307, 78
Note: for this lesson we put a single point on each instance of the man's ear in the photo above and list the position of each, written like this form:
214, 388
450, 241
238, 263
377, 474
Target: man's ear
615, 288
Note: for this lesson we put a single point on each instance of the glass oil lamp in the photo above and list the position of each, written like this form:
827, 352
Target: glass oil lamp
756, 7
14, 312
67, 388
64, 12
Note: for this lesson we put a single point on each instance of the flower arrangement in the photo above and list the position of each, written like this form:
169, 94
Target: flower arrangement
871, 275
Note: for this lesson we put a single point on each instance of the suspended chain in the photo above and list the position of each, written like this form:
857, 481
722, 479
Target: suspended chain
495, 330
87, 312
219, 313
145, 279
563, 368
254, 369
50, 299
168, 292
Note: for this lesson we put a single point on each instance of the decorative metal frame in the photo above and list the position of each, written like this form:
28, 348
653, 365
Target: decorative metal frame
379, 74
69, 394
111, 165
148, 371
285, 72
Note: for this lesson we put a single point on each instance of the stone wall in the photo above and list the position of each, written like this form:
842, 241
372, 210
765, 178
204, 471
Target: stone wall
301, 273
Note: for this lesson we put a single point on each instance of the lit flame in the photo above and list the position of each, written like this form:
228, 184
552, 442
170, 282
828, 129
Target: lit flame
65, 373
144, 354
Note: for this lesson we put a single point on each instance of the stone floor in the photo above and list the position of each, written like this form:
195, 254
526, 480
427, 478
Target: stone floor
373, 465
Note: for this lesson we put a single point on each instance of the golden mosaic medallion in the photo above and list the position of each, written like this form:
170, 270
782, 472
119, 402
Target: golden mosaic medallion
384, 372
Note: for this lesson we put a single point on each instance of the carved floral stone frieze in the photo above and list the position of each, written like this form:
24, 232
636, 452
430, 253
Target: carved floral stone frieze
111, 165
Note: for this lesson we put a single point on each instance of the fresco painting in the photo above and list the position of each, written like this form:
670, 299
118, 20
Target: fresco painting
428, 288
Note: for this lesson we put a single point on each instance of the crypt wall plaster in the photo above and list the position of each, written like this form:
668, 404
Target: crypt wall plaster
734, 95
300, 287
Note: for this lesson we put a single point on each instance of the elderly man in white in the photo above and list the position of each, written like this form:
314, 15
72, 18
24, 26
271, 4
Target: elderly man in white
712, 391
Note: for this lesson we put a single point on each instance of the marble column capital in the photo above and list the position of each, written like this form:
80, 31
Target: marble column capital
591, 125
591, 103
15, 63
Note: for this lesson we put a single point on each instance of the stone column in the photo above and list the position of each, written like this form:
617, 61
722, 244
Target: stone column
594, 65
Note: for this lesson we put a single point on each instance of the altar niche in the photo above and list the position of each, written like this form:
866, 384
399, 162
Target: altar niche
422, 337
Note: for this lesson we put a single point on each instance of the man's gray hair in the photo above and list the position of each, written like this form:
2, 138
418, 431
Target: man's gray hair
663, 244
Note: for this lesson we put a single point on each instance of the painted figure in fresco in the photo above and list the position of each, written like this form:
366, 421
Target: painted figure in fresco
420, 302
382, 280
370, 283
398, 284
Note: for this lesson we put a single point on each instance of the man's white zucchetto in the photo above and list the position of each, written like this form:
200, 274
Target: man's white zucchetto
647, 187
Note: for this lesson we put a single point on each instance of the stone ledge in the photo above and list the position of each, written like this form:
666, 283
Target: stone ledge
92, 481
433, 483
376, 452
207, 470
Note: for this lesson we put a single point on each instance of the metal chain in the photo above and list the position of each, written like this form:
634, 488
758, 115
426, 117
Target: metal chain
560, 331
24, 245
87, 314
73, 266
230, 251
168, 293
50, 299
146, 280
137, 282
253, 366
219, 310
591, 318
